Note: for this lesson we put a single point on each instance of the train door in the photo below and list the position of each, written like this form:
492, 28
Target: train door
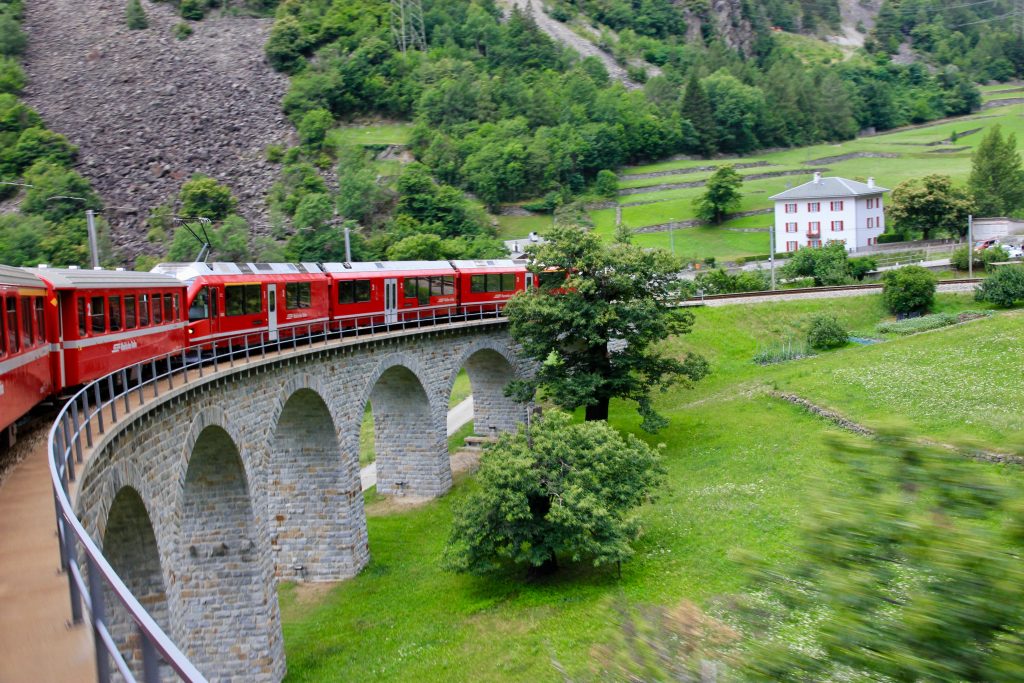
529, 281
272, 311
391, 300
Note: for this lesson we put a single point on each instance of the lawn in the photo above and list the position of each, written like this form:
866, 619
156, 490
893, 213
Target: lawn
916, 150
373, 134
741, 469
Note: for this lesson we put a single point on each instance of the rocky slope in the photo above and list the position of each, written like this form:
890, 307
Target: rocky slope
148, 110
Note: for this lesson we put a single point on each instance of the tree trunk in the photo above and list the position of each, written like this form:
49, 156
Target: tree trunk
549, 567
599, 410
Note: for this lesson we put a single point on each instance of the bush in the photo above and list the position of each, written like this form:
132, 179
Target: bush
1003, 288
861, 266
284, 48
275, 154
12, 78
204, 196
982, 259
192, 9
607, 183
826, 333
135, 16
12, 38
890, 238
182, 31
909, 289
314, 126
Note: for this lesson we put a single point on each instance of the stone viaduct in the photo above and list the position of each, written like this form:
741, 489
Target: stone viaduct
205, 497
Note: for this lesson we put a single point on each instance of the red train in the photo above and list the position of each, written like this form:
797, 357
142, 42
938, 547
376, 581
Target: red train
61, 328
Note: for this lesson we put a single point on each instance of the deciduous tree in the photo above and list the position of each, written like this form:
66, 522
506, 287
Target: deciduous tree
930, 205
554, 490
721, 194
595, 333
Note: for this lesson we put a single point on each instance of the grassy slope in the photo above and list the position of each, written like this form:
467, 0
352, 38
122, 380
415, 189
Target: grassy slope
741, 468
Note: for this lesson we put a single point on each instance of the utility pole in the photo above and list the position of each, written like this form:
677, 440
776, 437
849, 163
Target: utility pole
407, 27
771, 254
970, 245
348, 247
94, 251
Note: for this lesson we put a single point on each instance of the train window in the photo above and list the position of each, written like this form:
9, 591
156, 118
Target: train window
552, 278
493, 282
40, 318
168, 308
508, 282
418, 287
436, 286
83, 326
177, 307
3, 332
130, 313
114, 316
99, 323
477, 284
242, 300
26, 322
143, 310
410, 288
353, 291
158, 309
448, 283
12, 324
200, 308
297, 295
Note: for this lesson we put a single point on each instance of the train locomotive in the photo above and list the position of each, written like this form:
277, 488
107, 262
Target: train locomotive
62, 328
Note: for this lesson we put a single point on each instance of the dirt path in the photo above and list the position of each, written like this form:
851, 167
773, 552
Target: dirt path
563, 34
148, 110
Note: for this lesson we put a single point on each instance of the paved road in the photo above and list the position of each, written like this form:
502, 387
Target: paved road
457, 417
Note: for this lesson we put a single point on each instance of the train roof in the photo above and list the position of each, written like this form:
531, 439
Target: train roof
470, 264
190, 271
386, 266
73, 278
19, 277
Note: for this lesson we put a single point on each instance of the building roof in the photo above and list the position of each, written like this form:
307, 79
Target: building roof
820, 188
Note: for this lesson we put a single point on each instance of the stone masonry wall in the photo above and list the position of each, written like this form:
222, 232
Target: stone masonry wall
254, 471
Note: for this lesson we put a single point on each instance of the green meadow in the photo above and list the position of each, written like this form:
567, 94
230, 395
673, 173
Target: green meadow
742, 467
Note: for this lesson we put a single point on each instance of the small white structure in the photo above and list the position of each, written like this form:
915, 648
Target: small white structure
996, 228
828, 210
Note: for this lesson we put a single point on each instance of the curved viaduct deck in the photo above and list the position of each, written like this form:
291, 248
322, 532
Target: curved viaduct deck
205, 495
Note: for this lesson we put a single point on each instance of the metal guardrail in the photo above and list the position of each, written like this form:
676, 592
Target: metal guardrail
95, 404
763, 294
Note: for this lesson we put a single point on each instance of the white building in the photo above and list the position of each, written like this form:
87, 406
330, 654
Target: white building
827, 210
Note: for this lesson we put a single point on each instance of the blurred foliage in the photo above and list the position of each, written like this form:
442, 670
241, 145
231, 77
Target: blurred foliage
910, 289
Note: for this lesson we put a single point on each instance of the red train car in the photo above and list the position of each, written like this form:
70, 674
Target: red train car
269, 300
25, 374
108, 319
391, 291
491, 281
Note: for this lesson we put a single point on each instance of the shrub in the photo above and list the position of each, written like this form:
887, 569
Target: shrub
1003, 288
607, 183
12, 38
39, 144
135, 16
890, 238
826, 332
284, 48
204, 196
982, 259
314, 126
12, 78
182, 31
275, 154
192, 9
909, 289
861, 266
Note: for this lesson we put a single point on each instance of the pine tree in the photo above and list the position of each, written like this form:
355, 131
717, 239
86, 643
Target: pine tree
696, 108
135, 16
997, 180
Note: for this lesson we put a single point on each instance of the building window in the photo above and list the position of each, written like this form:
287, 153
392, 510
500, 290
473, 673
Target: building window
790, 208
814, 243
875, 203
790, 227
814, 228
872, 241
837, 206
791, 246
871, 221
813, 207
837, 226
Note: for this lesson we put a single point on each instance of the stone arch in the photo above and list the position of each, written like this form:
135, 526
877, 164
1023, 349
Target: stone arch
314, 498
490, 369
227, 614
409, 433
130, 546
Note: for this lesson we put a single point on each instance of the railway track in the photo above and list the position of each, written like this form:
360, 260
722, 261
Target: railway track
810, 290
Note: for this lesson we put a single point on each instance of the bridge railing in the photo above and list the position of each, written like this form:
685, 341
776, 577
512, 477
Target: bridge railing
101, 404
